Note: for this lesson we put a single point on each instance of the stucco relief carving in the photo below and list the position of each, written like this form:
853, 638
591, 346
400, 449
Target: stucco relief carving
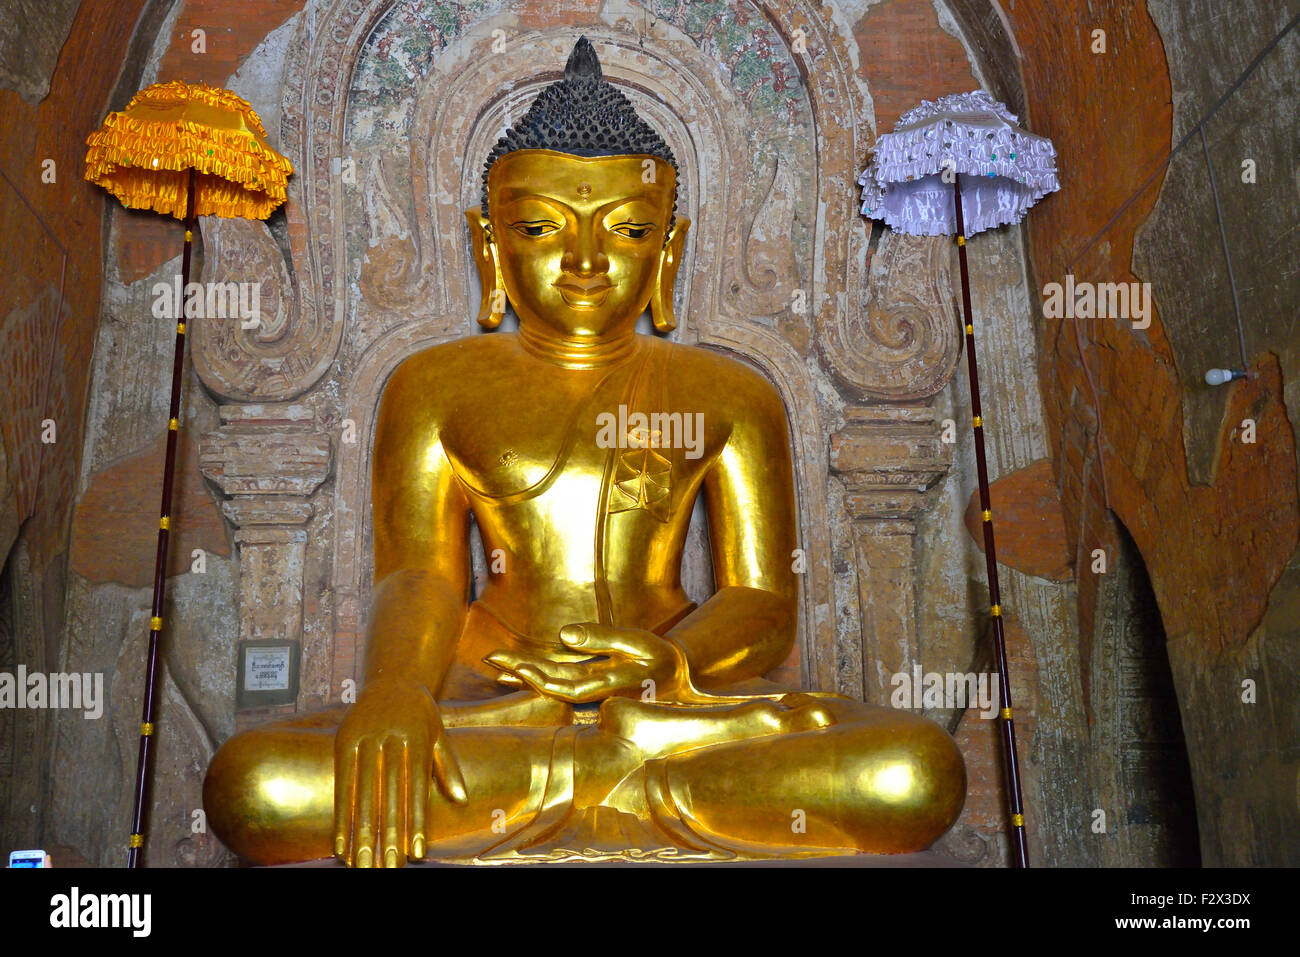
289, 348
904, 342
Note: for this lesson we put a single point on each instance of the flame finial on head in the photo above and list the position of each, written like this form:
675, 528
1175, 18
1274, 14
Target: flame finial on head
583, 63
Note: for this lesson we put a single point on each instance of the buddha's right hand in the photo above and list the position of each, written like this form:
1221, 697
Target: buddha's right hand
387, 746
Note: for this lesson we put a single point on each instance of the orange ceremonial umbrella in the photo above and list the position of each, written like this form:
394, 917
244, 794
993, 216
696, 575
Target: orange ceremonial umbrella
184, 150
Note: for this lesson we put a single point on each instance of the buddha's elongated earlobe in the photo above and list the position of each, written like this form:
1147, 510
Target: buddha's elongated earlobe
661, 297
492, 307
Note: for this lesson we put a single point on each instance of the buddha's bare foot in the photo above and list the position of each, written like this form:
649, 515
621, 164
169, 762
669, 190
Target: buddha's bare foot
802, 712
658, 729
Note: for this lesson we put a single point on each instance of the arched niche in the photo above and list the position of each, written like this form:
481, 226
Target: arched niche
777, 258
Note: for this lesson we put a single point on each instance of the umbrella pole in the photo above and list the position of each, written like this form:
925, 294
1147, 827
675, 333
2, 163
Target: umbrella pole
1021, 847
144, 765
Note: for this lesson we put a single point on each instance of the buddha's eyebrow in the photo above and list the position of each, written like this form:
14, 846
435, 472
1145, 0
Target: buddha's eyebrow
615, 206
511, 194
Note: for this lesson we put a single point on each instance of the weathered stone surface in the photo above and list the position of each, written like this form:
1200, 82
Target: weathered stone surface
1028, 524
984, 27
980, 835
115, 526
290, 344
32, 34
904, 345
24, 734
1248, 156
260, 462
905, 59
1214, 519
270, 461
50, 271
1144, 782
182, 750
143, 241
232, 29
887, 456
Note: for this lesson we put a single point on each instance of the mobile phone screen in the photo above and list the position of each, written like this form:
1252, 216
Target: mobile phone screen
27, 859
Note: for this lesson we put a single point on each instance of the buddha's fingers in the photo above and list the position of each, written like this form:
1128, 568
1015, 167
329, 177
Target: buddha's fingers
393, 827
419, 771
345, 789
592, 687
598, 639
364, 821
511, 661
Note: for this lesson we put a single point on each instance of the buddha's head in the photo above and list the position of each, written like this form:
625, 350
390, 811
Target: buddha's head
576, 228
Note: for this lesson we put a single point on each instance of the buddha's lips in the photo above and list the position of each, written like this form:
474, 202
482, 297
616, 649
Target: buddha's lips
584, 287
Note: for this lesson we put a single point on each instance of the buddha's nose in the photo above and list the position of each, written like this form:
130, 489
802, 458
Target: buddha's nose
584, 256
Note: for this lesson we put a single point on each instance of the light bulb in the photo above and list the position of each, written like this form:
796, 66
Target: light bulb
1220, 376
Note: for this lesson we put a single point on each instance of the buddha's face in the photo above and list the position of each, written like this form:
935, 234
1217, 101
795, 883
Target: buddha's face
580, 240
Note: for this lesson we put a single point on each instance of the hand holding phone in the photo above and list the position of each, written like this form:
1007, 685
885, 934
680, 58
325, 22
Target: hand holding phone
34, 858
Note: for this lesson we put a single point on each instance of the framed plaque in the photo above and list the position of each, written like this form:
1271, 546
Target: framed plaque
268, 673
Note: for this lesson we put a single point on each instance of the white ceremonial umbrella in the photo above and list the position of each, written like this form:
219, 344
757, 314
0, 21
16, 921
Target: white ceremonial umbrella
955, 167
965, 141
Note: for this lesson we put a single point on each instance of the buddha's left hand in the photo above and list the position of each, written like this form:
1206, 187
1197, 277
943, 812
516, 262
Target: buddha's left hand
636, 664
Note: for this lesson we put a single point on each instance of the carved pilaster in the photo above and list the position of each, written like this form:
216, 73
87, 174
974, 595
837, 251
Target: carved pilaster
269, 461
887, 458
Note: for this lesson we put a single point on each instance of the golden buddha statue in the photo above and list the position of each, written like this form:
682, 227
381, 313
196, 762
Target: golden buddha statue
582, 706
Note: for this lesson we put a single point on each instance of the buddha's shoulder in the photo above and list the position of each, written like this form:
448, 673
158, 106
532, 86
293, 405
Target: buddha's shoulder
712, 373
456, 361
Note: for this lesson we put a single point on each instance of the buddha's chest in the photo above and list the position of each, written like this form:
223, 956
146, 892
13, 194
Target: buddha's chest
570, 459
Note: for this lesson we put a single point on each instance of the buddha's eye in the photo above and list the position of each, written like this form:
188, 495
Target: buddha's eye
634, 230
535, 228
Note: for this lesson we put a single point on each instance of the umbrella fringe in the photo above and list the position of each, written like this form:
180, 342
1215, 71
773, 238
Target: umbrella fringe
144, 161
164, 192
179, 144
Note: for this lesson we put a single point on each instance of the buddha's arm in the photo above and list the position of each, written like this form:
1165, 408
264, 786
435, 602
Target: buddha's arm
393, 735
421, 544
414, 620
748, 627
